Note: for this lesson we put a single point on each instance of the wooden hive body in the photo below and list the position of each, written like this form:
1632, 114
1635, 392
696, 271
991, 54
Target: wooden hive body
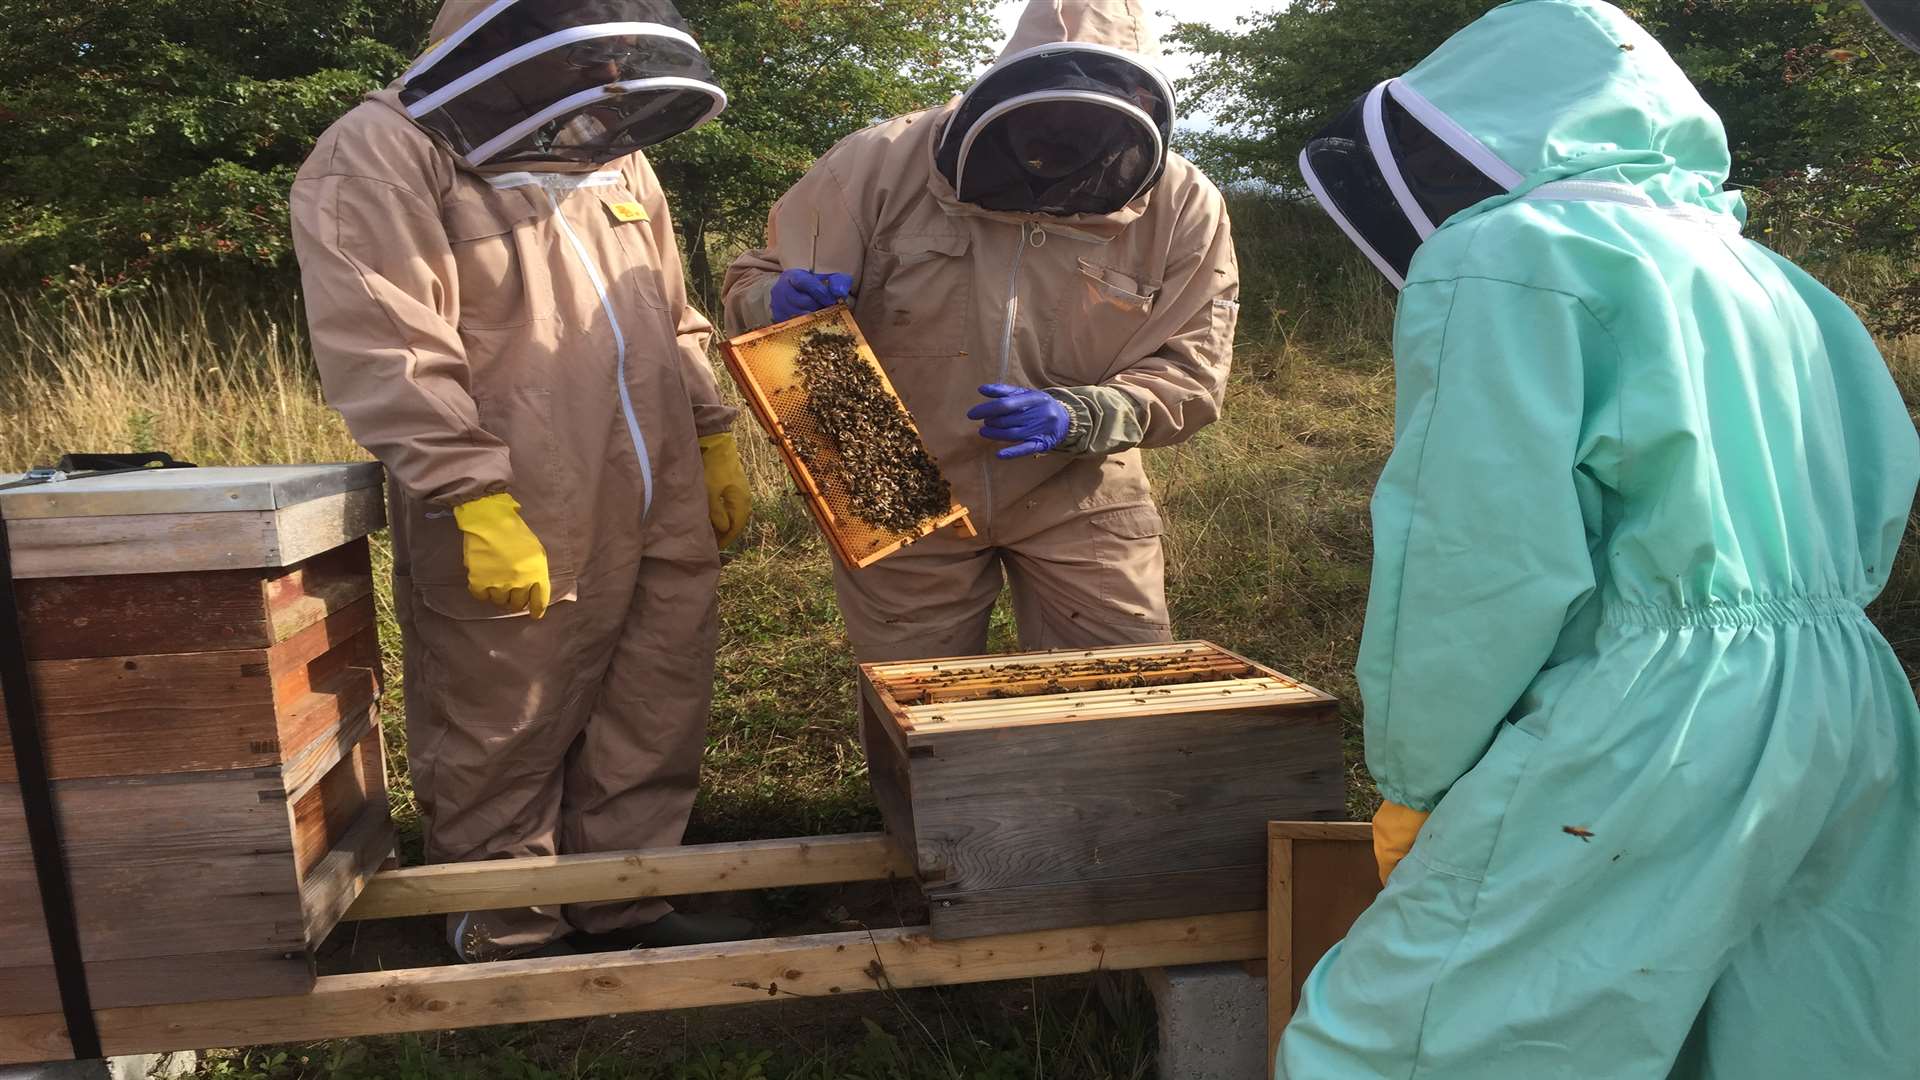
208, 723
1081, 788
762, 364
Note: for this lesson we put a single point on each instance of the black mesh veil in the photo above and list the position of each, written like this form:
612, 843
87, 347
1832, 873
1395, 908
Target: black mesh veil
567, 81
1390, 178
1061, 129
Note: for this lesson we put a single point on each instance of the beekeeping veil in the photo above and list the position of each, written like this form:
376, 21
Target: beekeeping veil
1075, 117
525, 83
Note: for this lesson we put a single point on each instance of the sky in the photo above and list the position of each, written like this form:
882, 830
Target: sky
1219, 13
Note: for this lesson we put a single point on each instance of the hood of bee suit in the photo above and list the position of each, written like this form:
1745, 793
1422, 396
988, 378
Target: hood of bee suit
557, 84
1533, 92
1075, 118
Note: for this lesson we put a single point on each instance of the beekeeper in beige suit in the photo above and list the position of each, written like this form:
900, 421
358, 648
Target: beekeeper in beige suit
1050, 290
497, 308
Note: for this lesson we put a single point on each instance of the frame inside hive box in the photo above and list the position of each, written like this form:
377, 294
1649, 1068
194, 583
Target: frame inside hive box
1081, 788
203, 653
765, 364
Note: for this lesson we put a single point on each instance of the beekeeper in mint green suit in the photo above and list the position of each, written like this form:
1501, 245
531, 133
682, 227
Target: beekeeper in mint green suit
1647, 474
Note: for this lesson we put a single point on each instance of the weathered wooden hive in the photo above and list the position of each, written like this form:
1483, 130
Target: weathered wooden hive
1061, 789
204, 653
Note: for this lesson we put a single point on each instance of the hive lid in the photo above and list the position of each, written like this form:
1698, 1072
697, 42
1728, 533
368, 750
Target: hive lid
186, 491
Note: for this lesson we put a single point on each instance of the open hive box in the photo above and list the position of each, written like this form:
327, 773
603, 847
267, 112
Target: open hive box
765, 365
204, 656
1094, 787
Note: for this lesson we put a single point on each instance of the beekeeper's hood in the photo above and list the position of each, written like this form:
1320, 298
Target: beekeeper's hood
1532, 92
1074, 118
558, 83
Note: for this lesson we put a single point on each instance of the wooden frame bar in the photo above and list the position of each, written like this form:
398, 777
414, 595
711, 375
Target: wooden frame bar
524, 991
1320, 876
839, 317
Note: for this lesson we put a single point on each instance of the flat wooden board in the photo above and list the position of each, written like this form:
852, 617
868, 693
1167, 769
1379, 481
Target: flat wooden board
1142, 796
210, 611
167, 866
187, 712
187, 543
628, 875
1320, 876
523, 991
763, 363
188, 491
1218, 890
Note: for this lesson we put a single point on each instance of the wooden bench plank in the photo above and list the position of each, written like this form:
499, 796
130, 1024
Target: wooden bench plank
523, 991
627, 875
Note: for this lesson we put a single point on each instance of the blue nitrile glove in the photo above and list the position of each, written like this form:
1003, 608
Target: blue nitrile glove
802, 292
1033, 419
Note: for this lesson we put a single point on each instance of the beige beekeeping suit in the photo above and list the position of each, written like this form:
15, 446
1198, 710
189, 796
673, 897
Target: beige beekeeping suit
1136, 308
526, 332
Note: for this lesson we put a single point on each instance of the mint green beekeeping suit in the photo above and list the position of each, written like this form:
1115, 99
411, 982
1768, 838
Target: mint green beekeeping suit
1646, 476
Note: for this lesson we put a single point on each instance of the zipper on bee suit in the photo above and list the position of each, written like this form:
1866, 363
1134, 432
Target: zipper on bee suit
620, 350
1029, 234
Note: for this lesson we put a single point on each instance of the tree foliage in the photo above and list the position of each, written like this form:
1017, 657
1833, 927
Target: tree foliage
1821, 106
143, 137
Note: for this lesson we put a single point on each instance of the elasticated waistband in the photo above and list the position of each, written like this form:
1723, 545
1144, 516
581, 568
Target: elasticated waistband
1776, 612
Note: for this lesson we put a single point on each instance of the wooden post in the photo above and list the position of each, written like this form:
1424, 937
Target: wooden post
1320, 876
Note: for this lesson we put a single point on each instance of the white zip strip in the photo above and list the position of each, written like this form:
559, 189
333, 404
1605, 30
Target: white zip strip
1135, 59
1087, 97
452, 41
1333, 211
531, 124
1463, 141
539, 46
620, 349
1374, 116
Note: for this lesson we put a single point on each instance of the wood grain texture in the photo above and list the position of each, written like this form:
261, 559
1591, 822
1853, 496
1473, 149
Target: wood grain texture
210, 611
578, 879
1123, 798
162, 980
523, 991
188, 543
1321, 876
335, 882
199, 712
175, 865
1218, 890
322, 816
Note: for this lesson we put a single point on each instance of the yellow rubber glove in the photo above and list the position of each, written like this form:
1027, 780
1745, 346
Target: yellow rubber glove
1395, 828
728, 503
506, 566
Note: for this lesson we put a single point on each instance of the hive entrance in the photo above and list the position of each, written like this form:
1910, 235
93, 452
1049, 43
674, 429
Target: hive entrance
869, 482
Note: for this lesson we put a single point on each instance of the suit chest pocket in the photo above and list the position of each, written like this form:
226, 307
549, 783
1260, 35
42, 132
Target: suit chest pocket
1102, 311
499, 244
916, 295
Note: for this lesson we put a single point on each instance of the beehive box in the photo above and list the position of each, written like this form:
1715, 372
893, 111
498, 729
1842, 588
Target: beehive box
763, 365
203, 648
1063, 789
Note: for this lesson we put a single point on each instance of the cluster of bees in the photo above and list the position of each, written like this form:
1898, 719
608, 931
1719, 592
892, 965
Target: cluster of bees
891, 482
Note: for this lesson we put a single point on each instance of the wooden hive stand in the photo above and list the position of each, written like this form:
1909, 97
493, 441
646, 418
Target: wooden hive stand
202, 648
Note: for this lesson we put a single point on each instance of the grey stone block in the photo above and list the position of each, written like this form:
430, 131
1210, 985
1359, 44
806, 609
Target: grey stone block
142, 1067
1213, 1022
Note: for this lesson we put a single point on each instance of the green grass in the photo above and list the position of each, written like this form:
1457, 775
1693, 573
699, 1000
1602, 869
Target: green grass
1268, 551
